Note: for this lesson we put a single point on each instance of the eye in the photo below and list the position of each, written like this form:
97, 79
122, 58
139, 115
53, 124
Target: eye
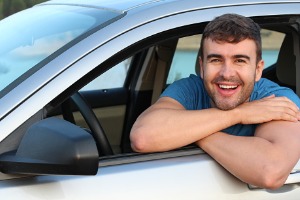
240, 61
214, 60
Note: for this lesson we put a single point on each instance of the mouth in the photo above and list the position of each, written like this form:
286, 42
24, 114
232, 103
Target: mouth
228, 87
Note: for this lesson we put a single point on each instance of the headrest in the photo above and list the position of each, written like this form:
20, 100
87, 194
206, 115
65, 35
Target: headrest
286, 62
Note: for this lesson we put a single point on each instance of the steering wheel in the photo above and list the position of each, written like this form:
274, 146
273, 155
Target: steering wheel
89, 116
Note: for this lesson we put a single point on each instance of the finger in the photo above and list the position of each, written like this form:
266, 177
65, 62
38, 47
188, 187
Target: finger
283, 101
292, 105
284, 113
298, 116
285, 117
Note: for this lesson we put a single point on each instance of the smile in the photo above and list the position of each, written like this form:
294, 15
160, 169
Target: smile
228, 86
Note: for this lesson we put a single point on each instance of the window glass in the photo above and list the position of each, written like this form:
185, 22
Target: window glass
271, 43
113, 78
44, 30
184, 60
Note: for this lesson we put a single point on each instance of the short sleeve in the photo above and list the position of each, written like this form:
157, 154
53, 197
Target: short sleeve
265, 87
189, 92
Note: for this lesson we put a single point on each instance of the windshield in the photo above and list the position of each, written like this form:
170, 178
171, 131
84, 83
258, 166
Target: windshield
30, 36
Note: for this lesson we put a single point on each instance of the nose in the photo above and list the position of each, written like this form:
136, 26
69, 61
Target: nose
227, 70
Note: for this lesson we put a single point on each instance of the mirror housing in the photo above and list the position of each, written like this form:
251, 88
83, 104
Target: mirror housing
53, 146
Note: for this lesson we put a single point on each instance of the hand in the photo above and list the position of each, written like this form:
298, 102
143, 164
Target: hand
268, 109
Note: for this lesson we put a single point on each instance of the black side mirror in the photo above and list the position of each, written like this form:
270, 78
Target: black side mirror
53, 146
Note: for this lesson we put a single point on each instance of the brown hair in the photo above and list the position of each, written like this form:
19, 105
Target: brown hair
232, 28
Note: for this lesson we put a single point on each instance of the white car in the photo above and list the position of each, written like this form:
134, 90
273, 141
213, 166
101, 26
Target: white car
75, 74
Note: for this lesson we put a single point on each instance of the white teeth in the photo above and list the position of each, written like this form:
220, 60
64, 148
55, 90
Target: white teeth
228, 86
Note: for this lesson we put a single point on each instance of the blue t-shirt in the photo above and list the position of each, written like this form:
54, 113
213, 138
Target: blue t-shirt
190, 92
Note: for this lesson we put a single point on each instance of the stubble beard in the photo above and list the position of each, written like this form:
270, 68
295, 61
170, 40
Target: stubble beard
227, 103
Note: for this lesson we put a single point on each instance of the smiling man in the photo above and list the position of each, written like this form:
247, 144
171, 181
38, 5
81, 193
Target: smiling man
229, 72
225, 105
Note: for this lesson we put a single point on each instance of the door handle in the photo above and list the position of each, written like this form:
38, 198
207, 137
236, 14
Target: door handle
294, 177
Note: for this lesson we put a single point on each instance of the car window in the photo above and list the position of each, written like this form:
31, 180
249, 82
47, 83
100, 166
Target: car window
184, 60
113, 78
271, 43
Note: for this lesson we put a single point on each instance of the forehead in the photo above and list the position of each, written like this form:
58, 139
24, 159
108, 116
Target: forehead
244, 47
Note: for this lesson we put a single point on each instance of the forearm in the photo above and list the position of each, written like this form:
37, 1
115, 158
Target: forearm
260, 161
167, 125
164, 129
244, 157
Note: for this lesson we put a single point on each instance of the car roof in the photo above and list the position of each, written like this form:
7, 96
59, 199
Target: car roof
117, 5
127, 5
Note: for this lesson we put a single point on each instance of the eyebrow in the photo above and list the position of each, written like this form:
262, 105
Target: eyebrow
220, 56
213, 56
242, 56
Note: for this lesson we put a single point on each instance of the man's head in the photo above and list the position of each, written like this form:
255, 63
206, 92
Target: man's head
230, 60
232, 28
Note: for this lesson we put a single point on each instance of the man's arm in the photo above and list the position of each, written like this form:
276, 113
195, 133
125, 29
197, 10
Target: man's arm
167, 125
264, 160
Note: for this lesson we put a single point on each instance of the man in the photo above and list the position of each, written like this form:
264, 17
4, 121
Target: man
226, 105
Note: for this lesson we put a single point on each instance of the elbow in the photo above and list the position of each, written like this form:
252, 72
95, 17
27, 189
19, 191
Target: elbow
272, 183
273, 178
138, 141
138, 145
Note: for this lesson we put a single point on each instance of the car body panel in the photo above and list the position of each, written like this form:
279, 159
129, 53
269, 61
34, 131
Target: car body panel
120, 6
174, 178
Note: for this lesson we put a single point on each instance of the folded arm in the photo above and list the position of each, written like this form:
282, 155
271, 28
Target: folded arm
264, 160
167, 125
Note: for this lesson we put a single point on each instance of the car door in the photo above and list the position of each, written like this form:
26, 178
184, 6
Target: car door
250, 191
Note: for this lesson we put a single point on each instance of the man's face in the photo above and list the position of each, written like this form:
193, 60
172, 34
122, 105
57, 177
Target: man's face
229, 72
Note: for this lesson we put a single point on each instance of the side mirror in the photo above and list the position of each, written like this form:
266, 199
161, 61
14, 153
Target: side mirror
53, 146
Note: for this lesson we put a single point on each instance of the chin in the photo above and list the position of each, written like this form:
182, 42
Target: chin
224, 106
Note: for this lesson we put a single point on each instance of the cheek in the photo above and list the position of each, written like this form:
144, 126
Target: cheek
210, 73
248, 76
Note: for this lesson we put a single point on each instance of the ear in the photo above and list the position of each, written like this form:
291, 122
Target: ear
201, 67
259, 69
